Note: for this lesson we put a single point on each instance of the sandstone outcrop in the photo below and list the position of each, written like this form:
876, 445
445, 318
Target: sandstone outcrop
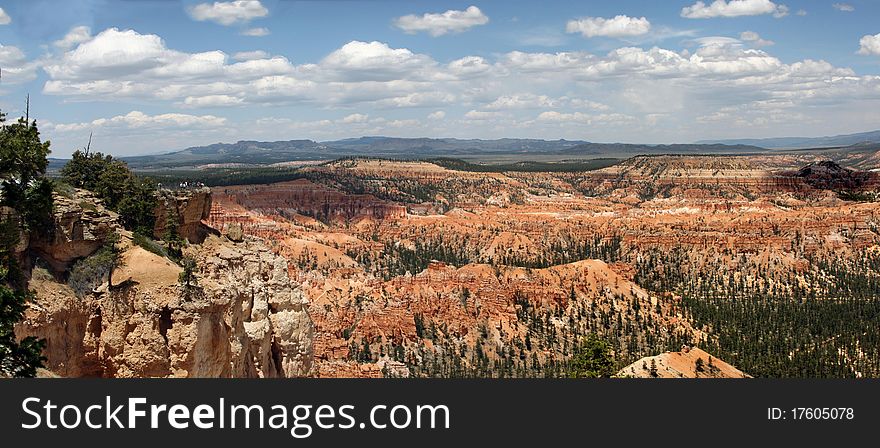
689, 362
82, 224
306, 198
245, 319
189, 206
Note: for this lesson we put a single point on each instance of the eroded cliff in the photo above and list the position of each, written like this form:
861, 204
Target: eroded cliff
243, 318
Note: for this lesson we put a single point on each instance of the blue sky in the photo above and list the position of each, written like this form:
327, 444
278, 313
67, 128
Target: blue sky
153, 76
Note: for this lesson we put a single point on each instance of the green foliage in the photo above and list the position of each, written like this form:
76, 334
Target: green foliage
592, 359
149, 245
17, 358
819, 322
133, 197
84, 168
23, 162
173, 242
37, 206
565, 166
24, 357
23, 156
187, 277
90, 272
137, 206
112, 183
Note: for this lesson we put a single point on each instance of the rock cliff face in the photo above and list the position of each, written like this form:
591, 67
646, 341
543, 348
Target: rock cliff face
245, 317
81, 226
306, 198
190, 207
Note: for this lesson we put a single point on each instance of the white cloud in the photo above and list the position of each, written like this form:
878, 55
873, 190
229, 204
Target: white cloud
541, 62
4, 18
845, 7
438, 24
15, 65
801, 12
533, 101
617, 26
211, 101
355, 118
469, 66
250, 55
481, 115
417, 99
373, 61
501, 94
521, 101
255, 32
228, 13
74, 37
139, 120
129, 64
553, 116
733, 8
755, 39
870, 45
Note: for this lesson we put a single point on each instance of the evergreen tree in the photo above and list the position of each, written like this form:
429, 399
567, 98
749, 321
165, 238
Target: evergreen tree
592, 359
23, 162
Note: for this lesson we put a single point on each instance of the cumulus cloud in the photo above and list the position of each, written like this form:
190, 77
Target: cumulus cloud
533, 101
500, 93
355, 118
870, 45
126, 63
250, 55
617, 26
521, 101
373, 61
228, 13
74, 37
553, 116
438, 24
480, 115
733, 8
139, 120
755, 39
255, 32
211, 101
845, 7
15, 65
4, 18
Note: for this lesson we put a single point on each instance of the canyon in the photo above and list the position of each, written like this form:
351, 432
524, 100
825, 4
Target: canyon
381, 268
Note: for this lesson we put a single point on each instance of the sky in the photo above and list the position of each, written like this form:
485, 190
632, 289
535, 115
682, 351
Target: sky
151, 76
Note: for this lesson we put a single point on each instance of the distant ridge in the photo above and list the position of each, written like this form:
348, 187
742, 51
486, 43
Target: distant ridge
264, 153
804, 142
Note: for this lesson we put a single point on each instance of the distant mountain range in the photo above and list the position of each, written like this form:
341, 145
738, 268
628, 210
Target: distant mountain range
804, 142
263, 153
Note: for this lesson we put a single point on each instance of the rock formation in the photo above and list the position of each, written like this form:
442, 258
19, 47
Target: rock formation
82, 224
189, 207
243, 318
689, 362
